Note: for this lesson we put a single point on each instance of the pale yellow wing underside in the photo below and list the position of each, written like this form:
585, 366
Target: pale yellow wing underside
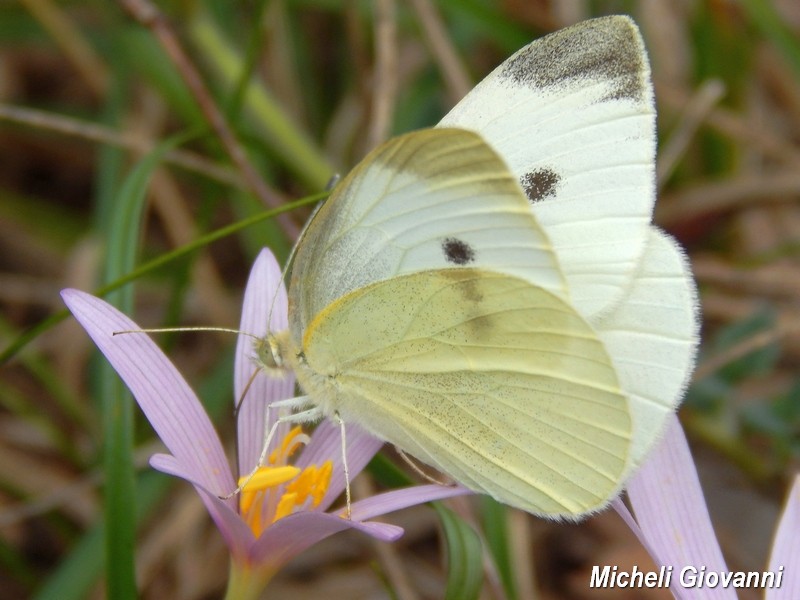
431, 199
493, 380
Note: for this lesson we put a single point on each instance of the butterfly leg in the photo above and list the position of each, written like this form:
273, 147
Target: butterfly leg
306, 416
340, 422
418, 470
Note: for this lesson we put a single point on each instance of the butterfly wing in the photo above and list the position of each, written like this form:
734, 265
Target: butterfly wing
572, 115
495, 381
436, 198
652, 339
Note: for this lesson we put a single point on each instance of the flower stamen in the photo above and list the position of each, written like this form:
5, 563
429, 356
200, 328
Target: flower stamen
293, 440
303, 488
312, 483
253, 494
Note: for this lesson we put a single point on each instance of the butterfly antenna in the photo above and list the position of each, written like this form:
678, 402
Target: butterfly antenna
290, 261
238, 407
244, 393
184, 329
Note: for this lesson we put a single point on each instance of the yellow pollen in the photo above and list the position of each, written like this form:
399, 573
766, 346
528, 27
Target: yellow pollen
267, 477
264, 479
300, 485
293, 440
285, 505
313, 482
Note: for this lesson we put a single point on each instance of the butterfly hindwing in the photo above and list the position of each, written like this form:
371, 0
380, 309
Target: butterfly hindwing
652, 338
495, 381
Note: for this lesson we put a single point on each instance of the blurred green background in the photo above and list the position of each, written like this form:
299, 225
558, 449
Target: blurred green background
307, 87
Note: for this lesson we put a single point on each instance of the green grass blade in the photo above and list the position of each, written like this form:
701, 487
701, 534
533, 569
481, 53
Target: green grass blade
464, 560
165, 259
773, 27
288, 142
122, 250
495, 527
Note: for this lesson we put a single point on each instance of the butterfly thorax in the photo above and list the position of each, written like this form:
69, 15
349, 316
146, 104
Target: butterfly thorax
321, 388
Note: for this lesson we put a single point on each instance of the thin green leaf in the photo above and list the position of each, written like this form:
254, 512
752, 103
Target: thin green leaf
122, 250
464, 560
287, 141
774, 27
165, 259
495, 527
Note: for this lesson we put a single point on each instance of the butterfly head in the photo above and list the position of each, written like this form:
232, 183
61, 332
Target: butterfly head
268, 355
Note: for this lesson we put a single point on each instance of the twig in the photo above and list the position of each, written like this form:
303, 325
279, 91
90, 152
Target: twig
694, 113
384, 73
455, 75
701, 200
743, 348
70, 40
149, 16
105, 135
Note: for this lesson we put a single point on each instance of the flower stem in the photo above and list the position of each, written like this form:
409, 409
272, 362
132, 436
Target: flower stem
247, 582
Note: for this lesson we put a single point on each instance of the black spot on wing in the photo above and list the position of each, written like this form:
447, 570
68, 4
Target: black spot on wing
457, 251
540, 184
607, 49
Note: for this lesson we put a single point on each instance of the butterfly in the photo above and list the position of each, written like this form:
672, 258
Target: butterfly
490, 296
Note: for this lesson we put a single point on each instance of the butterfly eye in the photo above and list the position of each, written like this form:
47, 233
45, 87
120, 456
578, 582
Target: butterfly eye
268, 353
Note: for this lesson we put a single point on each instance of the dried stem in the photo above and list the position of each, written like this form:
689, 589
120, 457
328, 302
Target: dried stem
149, 16
70, 40
384, 74
105, 135
455, 75
694, 114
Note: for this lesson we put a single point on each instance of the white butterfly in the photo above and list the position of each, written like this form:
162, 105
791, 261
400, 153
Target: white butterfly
504, 311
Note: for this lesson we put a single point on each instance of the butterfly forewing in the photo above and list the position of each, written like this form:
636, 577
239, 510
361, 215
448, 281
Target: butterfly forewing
437, 198
495, 381
572, 114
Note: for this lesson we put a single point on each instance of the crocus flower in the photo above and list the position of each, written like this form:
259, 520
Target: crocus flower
672, 522
284, 509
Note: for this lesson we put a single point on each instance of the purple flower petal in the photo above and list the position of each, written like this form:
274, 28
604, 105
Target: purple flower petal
786, 549
670, 509
163, 395
291, 535
288, 537
236, 533
618, 505
326, 444
197, 454
264, 310
381, 504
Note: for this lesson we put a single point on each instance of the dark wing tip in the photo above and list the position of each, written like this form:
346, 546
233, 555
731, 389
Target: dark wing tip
606, 49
